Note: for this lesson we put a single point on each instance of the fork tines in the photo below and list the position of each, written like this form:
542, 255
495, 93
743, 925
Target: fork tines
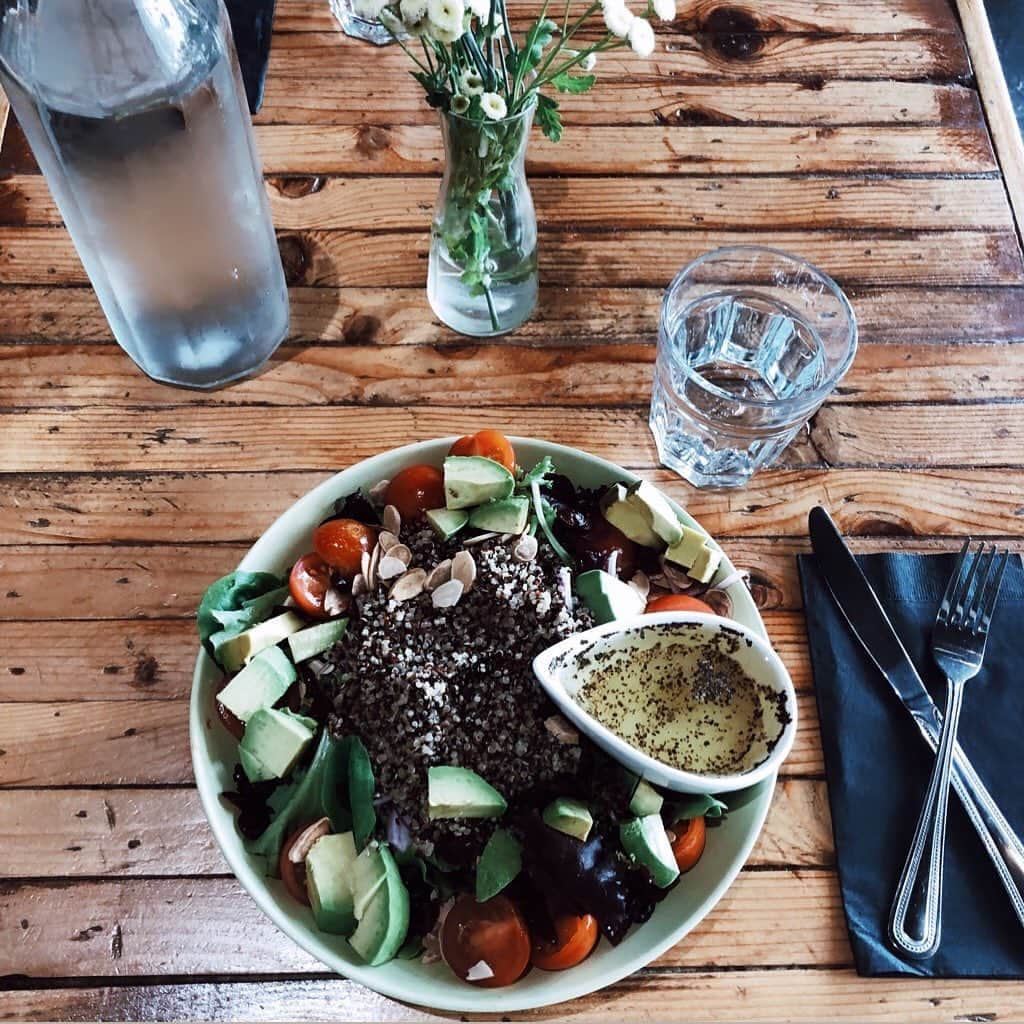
973, 588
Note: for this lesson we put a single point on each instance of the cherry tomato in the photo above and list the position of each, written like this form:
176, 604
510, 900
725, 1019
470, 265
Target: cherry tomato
493, 933
341, 543
491, 444
575, 937
416, 489
234, 725
596, 546
293, 875
309, 582
678, 603
688, 844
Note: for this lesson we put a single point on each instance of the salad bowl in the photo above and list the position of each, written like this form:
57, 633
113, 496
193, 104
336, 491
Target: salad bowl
433, 985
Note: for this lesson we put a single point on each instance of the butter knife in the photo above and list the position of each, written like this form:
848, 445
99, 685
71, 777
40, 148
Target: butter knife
871, 626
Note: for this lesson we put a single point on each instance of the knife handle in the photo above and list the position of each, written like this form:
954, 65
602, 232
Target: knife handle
1005, 850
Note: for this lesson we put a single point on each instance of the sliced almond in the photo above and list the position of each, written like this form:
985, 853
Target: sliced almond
392, 520
370, 571
387, 540
299, 849
478, 539
441, 573
390, 567
447, 595
406, 587
526, 548
359, 586
641, 584
377, 492
402, 553
562, 730
464, 570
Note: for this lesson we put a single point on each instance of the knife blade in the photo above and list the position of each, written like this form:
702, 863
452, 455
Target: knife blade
870, 624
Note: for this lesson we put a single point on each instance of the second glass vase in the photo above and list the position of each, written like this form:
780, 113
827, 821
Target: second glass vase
482, 273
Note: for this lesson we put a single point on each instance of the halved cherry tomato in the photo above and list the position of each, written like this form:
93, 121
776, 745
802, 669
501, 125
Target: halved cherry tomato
596, 547
575, 937
416, 489
309, 582
234, 725
293, 875
491, 444
688, 844
487, 938
678, 603
341, 543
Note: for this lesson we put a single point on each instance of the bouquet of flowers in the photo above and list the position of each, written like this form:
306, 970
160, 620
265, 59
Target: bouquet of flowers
489, 87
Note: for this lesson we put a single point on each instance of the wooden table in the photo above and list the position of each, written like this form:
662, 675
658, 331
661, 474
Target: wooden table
850, 131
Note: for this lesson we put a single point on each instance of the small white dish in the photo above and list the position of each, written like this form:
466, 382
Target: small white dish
564, 669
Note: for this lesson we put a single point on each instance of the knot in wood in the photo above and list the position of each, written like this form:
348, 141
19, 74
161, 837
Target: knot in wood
733, 33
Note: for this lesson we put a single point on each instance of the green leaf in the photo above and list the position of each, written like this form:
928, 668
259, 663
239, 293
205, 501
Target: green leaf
548, 117
575, 84
542, 473
225, 606
541, 33
499, 864
360, 791
546, 516
699, 806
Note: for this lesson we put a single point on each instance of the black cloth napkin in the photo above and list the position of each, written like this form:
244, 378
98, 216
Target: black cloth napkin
251, 22
877, 765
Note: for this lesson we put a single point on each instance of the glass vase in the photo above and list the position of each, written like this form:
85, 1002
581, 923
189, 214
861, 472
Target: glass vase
482, 272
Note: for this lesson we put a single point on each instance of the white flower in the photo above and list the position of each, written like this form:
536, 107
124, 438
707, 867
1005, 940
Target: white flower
665, 9
392, 23
589, 62
459, 104
446, 15
641, 37
493, 106
470, 82
442, 34
481, 8
368, 9
413, 12
618, 18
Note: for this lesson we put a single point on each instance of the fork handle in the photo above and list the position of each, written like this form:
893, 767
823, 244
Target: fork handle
915, 922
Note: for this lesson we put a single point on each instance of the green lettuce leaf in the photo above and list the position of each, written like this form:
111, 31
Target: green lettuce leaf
228, 605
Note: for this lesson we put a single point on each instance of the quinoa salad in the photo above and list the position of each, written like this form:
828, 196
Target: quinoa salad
400, 769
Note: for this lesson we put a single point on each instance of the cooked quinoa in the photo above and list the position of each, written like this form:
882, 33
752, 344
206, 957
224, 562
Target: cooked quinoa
425, 686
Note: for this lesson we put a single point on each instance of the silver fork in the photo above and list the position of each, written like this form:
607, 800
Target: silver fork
958, 646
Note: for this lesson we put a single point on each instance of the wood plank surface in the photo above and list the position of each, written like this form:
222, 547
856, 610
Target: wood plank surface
852, 133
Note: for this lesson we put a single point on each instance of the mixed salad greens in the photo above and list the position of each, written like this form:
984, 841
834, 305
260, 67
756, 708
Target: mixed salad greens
537, 875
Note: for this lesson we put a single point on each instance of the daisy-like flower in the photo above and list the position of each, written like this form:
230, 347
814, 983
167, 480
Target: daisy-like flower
618, 18
446, 15
393, 23
665, 9
441, 33
414, 12
641, 37
470, 82
481, 8
459, 104
589, 62
493, 106
368, 9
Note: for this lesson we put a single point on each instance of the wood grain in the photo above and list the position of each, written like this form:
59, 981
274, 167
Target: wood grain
115, 833
582, 316
404, 203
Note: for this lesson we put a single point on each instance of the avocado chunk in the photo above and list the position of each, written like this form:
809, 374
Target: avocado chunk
706, 565
500, 862
645, 799
654, 507
472, 480
261, 684
384, 920
618, 510
367, 877
454, 792
569, 816
689, 546
607, 597
274, 740
329, 870
314, 640
507, 515
447, 521
646, 841
240, 649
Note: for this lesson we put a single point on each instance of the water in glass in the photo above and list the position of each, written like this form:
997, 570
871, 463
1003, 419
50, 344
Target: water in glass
137, 117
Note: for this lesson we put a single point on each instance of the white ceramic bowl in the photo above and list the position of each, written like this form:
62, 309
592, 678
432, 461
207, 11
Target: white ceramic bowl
214, 754
555, 670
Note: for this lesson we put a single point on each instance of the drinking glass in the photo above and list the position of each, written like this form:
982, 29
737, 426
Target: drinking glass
751, 342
